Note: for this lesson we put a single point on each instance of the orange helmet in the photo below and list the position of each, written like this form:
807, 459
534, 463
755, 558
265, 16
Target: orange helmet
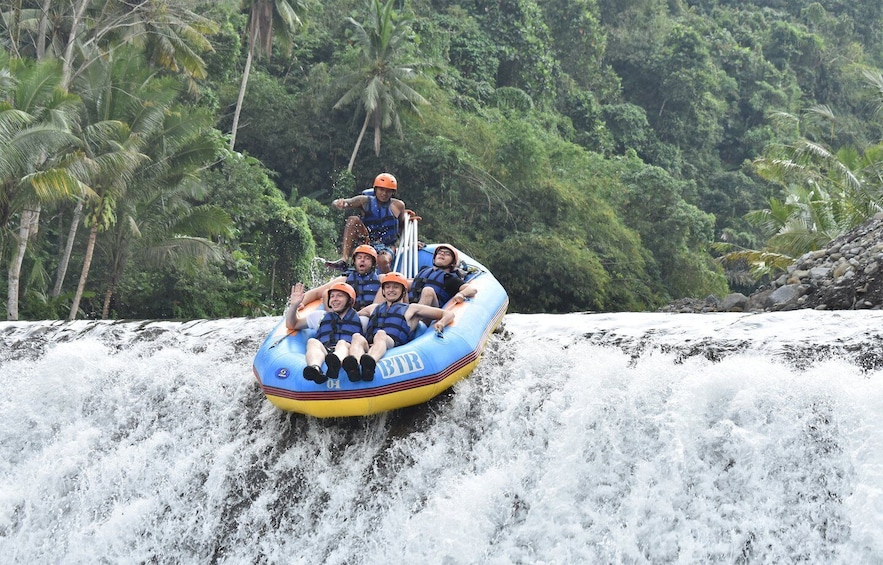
394, 277
368, 250
386, 180
343, 287
450, 248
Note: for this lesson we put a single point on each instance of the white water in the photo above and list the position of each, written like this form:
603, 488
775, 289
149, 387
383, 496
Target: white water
578, 439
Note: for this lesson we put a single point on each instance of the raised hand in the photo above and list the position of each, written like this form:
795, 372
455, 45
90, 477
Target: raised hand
297, 295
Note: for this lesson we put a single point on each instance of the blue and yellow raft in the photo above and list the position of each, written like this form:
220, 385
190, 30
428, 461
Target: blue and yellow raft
410, 374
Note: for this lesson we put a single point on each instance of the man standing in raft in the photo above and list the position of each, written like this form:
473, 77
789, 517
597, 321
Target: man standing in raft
335, 332
381, 222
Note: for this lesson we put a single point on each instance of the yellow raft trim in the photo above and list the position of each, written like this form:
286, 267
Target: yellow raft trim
367, 405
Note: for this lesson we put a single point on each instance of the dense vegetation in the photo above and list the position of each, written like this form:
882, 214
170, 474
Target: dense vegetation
595, 154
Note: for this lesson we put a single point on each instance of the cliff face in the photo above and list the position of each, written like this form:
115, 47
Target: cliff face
846, 275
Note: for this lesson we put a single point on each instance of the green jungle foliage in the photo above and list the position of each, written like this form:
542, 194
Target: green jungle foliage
594, 154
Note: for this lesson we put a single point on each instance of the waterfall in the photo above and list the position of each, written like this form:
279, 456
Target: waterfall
579, 438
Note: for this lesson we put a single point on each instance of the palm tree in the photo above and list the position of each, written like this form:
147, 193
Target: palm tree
266, 18
806, 220
158, 234
381, 83
35, 145
157, 221
171, 35
851, 175
115, 151
125, 107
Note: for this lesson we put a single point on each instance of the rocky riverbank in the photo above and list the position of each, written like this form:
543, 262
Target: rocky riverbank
845, 275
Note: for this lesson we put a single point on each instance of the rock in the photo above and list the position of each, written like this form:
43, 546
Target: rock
784, 297
735, 302
757, 301
841, 270
820, 272
846, 275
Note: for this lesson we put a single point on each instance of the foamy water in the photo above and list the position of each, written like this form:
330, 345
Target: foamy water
580, 438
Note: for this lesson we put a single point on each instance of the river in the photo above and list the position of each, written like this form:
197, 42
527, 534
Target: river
579, 438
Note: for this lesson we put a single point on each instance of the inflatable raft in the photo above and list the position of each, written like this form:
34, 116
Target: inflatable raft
410, 374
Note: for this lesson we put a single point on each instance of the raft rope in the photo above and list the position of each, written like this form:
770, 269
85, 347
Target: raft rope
278, 341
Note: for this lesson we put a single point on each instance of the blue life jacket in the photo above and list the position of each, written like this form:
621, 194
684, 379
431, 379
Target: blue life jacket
434, 277
366, 287
380, 222
391, 319
333, 328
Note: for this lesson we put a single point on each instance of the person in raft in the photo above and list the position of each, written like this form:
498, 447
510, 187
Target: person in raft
391, 323
334, 334
362, 276
435, 284
379, 225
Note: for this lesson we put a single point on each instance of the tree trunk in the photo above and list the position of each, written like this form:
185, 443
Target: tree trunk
67, 61
68, 249
115, 272
241, 94
14, 23
108, 294
87, 262
44, 26
378, 127
358, 142
377, 142
28, 227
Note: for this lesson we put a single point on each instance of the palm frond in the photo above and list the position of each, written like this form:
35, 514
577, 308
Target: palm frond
54, 185
181, 248
12, 120
875, 81
760, 262
207, 220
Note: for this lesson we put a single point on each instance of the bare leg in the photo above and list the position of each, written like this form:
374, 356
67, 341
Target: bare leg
350, 363
381, 343
384, 262
354, 234
315, 355
333, 360
428, 297
342, 349
359, 346
316, 352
